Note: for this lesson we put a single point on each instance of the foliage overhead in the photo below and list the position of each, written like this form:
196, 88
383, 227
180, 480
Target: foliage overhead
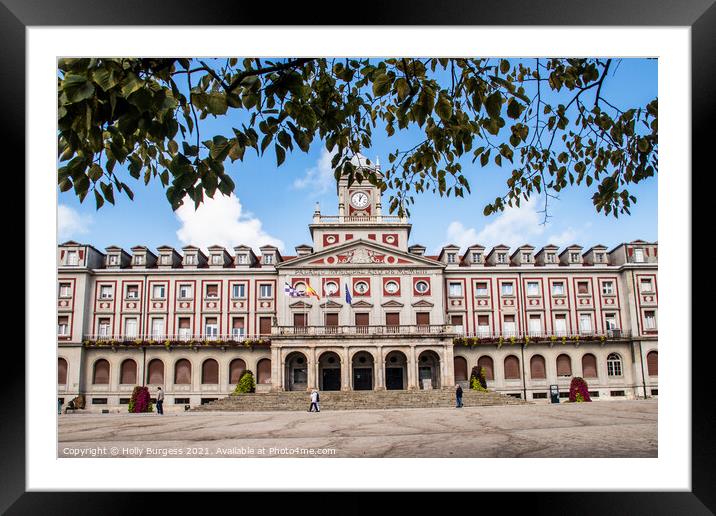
547, 121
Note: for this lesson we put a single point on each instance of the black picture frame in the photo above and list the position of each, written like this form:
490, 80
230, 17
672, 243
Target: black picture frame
699, 15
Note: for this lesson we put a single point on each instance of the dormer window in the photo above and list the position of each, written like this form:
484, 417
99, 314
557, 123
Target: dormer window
501, 257
166, 259
189, 259
550, 258
574, 257
526, 257
216, 259
598, 257
476, 257
72, 258
113, 259
451, 257
638, 255
268, 259
139, 259
242, 259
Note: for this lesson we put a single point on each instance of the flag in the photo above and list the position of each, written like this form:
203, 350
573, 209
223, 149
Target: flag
312, 292
290, 291
349, 299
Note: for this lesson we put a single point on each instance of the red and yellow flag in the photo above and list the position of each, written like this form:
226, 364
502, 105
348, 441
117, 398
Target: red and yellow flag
312, 292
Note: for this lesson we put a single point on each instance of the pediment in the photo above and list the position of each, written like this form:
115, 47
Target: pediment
361, 253
300, 304
361, 304
392, 304
330, 304
423, 304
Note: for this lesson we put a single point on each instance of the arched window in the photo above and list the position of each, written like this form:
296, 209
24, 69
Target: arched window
589, 366
512, 368
182, 372
263, 371
210, 371
486, 363
537, 368
564, 365
460, 369
652, 363
614, 365
236, 370
155, 372
61, 371
128, 372
101, 372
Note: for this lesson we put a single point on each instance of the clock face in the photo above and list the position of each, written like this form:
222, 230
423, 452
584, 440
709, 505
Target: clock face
359, 200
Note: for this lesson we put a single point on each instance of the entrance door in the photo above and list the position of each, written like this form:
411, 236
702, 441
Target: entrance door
394, 378
425, 373
331, 379
362, 378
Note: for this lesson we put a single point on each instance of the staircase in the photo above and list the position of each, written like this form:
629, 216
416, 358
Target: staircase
355, 400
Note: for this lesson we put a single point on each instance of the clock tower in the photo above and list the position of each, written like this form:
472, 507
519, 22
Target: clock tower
362, 201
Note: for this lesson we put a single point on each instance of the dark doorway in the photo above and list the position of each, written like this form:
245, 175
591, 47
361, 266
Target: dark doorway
394, 378
362, 378
331, 379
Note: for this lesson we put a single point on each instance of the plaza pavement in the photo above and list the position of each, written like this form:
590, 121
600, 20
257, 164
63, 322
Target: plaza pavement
598, 429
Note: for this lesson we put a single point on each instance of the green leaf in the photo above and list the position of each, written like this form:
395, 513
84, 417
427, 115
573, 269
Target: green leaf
77, 88
444, 107
493, 104
98, 199
130, 84
108, 192
106, 78
381, 85
280, 154
95, 172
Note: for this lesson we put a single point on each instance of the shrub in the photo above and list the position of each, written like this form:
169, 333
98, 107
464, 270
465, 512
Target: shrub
246, 383
140, 402
578, 390
477, 379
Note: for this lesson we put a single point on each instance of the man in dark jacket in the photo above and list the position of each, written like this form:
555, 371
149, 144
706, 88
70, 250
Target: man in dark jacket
458, 396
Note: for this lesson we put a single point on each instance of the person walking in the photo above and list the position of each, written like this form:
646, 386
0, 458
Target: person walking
160, 401
458, 396
314, 401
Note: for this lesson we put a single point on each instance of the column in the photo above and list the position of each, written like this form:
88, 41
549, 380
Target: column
276, 369
345, 371
448, 366
311, 369
379, 368
412, 372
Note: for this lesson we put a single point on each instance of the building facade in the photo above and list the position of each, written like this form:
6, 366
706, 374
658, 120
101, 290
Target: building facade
192, 322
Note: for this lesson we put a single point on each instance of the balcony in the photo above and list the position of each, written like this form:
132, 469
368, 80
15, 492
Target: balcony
177, 340
338, 219
488, 337
385, 330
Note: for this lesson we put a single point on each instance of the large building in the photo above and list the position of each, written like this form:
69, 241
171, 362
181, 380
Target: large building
192, 322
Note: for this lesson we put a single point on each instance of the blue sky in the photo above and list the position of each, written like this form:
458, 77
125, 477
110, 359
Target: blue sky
275, 205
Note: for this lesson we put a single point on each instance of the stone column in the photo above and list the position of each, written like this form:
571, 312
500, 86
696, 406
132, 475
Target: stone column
311, 368
412, 369
448, 366
378, 368
345, 371
276, 369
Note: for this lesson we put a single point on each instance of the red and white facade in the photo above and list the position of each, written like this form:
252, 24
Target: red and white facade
192, 322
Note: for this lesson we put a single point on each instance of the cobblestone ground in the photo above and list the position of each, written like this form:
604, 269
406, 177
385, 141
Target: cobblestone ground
599, 429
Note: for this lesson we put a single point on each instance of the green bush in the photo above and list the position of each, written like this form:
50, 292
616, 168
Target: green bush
246, 383
477, 379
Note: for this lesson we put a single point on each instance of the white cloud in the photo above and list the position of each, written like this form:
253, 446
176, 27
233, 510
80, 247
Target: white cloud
319, 179
513, 227
70, 224
221, 221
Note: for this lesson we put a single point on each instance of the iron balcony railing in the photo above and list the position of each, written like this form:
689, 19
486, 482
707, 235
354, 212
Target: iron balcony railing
369, 218
546, 335
387, 329
180, 337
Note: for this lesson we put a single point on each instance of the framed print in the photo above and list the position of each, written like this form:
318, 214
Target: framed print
442, 247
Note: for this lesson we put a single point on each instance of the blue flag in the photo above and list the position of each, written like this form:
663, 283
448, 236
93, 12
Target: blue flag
349, 299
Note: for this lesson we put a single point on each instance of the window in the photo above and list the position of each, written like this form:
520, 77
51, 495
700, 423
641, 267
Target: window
105, 292
509, 326
526, 257
166, 259
63, 325
422, 318
649, 320
507, 289
331, 288
535, 325
212, 291
560, 325
501, 257
614, 365
238, 290
362, 321
486, 363
456, 322
652, 363
158, 291
392, 287
189, 259
608, 288
512, 368
103, 327
585, 323
113, 259
242, 259
532, 288
72, 258
268, 259
217, 259
130, 327
558, 288
266, 291
537, 368
638, 255
646, 285
264, 327
599, 257
483, 325
476, 257
237, 328
550, 258
184, 291
132, 292
211, 328
139, 259
451, 257
210, 371
582, 287
361, 287
184, 328
610, 321
157, 327
564, 365
65, 289
392, 321
101, 372
589, 366
422, 287
574, 257
481, 289
455, 289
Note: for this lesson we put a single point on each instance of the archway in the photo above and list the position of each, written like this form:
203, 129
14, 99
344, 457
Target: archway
396, 371
296, 372
329, 372
362, 371
128, 372
263, 371
236, 370
61, 371
155, 372
460, 369
429, 370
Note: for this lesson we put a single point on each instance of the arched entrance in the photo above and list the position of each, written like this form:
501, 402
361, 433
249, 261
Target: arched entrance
429, 370
362, 371
329, 372
396, 371
296, 374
